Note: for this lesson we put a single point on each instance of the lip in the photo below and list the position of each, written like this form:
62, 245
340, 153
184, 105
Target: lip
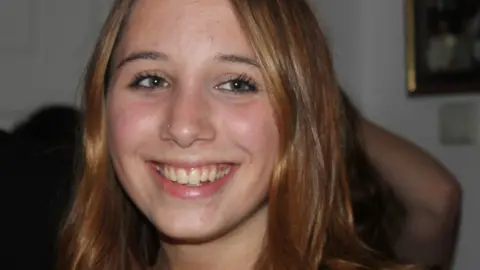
191, 192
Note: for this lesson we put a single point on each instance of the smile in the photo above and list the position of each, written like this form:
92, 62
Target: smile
189, 181
193, 176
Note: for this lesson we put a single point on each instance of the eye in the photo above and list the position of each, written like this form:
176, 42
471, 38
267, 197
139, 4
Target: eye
149, 81
240, 84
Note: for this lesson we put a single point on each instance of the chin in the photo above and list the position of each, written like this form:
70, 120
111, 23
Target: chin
191, 235
194, 229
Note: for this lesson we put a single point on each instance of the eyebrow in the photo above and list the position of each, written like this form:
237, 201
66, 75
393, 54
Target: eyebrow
144, 55
152, 55
234, 58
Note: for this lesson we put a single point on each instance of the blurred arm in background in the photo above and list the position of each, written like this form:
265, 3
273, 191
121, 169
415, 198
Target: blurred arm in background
430, 194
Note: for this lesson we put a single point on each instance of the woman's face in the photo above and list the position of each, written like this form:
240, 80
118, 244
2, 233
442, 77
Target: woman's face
191, 130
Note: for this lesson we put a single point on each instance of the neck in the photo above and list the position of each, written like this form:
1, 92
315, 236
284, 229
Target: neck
238, 249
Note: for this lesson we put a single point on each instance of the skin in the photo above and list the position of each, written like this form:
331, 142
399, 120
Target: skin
430, 194
185, 112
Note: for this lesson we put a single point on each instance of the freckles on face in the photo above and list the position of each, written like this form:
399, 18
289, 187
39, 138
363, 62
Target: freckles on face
178, 30
188, 97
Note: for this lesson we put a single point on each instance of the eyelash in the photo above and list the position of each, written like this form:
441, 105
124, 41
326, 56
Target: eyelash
243, 80
136, 83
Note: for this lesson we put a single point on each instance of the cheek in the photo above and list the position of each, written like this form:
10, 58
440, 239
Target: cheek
255, 130
127, 122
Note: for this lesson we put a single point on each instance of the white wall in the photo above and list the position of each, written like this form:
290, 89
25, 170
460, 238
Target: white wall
368, 43
44, 46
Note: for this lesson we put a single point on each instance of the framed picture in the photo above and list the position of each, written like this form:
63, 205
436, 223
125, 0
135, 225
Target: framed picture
443, 46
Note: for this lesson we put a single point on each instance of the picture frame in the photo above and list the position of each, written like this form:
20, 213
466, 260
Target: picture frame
442, 46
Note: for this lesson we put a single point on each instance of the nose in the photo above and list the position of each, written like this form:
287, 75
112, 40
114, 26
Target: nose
188, 119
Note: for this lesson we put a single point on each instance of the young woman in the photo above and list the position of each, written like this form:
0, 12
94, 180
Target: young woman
212, 140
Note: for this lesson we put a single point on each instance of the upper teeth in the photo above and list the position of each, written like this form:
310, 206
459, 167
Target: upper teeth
193, 176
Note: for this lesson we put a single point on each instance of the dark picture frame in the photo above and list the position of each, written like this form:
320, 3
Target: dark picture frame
443, 46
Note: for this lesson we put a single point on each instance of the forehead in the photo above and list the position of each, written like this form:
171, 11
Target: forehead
182, 24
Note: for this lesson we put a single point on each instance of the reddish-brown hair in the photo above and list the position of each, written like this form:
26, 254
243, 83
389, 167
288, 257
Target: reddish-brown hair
310, 216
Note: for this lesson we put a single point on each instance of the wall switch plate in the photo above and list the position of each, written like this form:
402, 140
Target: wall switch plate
459, 123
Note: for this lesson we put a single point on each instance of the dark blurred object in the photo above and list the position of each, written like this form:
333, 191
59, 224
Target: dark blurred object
3, 135
57, 124
36, 169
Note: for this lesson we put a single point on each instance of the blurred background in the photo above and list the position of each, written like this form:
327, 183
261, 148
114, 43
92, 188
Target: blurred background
45, 45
